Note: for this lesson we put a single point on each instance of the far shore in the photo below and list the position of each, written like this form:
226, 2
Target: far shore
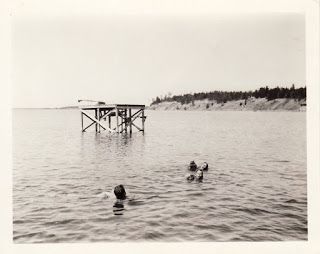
252, 104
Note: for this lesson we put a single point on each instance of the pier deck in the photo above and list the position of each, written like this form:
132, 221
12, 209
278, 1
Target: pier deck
125, 117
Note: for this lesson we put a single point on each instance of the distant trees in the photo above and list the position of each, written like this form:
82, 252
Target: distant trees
292, 93
223, 96
157, 100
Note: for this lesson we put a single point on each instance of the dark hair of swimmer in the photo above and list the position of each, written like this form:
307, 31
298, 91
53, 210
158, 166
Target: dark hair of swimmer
190, 178
192, 166
205, 166
120, 192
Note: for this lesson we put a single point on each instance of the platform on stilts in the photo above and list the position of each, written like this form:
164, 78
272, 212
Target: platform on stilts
115, 118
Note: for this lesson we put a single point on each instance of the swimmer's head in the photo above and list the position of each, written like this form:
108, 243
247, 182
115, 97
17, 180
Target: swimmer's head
204, 166
190, 178
120, 192
192, 166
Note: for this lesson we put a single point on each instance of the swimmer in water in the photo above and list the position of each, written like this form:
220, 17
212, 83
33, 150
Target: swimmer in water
198, 176
121, 195
192, 166
120, 192
204, 166
119, 198
190, 178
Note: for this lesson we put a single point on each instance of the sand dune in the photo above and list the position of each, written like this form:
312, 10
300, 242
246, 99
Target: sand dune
252, 104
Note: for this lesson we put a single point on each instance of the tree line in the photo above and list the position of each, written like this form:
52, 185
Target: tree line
223, 96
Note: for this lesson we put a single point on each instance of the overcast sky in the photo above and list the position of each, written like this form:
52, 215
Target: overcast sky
134, 58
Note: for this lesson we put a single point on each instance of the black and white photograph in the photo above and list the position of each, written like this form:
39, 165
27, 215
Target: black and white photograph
172, 125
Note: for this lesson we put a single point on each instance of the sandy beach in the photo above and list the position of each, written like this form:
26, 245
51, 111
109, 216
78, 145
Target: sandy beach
252, 104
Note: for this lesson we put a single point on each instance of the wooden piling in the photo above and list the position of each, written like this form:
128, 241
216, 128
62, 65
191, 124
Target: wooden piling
143, 119
81, 121
125, 120
96, 124
122, 121
98, 114
123, 111
117, 120
130, 118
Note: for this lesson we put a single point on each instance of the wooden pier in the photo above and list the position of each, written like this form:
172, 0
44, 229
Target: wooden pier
125, 117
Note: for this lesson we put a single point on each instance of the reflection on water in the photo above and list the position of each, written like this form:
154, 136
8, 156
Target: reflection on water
118, 207
254, 190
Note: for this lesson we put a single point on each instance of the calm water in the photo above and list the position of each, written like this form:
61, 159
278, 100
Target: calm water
255, 189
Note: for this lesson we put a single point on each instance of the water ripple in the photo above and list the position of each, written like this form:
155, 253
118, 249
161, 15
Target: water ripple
255, 188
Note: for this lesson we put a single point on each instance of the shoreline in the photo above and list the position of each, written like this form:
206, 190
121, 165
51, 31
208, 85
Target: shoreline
252, 104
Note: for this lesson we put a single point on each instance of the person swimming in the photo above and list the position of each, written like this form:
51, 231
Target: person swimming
120, 192
198, 175
204, 166
190, 178
119, 198
192, 166
121, 195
